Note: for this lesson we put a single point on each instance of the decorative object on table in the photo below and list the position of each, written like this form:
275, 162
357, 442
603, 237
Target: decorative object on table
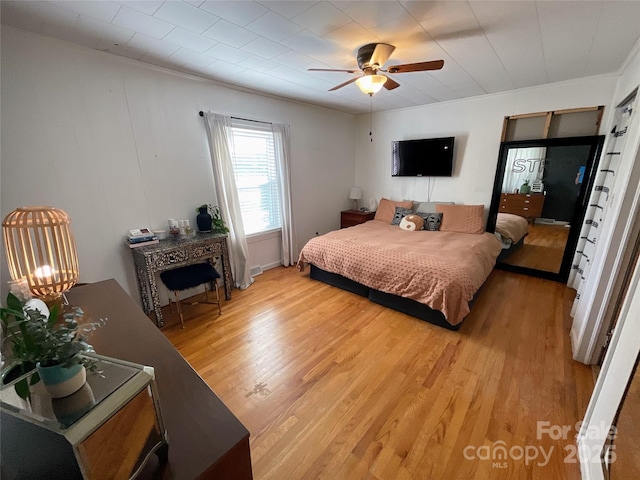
355, 194
185, 229
537, 186
40, 248
525, 188
218, 225
373, 204
54, 348
20, 288
140, 237
107, 429
204, 219
174, 228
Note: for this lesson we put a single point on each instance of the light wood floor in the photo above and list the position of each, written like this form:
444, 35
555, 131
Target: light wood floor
333, 386
543, 248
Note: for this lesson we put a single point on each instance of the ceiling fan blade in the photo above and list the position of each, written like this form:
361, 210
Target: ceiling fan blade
331, 70
416, 67
381, 54
344, 84
373, 54
390, 84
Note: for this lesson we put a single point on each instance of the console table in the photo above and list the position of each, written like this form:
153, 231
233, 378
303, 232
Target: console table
173, 253
205, 439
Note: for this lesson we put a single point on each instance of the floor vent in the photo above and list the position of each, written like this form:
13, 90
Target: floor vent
256, 271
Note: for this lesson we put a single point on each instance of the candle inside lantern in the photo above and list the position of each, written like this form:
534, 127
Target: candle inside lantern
44, 271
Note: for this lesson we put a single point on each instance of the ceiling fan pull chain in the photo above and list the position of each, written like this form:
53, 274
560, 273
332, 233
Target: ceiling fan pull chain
371, 118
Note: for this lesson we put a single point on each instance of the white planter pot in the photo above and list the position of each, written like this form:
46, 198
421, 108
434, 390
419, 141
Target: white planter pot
62, 381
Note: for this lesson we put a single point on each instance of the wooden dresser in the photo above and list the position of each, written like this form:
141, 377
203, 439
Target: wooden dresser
349, 218
205, 439
528, 205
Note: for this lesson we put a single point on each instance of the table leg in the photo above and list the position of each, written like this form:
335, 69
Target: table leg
144, 292
155, 298
226, 271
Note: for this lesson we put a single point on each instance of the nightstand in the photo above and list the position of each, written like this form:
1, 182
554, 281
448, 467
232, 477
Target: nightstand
349, 218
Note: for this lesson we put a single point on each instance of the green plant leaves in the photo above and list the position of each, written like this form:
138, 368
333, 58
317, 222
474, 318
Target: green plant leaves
35, 338
13, 302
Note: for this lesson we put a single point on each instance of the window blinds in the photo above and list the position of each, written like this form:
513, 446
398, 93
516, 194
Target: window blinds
254, 167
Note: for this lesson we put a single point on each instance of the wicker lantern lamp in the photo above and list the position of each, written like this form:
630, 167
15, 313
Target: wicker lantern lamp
40, 249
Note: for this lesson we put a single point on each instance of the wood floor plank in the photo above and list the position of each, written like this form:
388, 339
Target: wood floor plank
332, 386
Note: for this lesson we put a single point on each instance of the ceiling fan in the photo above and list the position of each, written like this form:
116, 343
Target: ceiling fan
371, 58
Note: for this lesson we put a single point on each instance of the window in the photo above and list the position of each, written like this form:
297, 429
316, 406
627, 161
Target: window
254, 166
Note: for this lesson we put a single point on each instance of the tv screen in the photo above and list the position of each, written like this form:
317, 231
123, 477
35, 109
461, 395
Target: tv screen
428, 157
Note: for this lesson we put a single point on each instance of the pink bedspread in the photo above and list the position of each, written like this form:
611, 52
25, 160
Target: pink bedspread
440, 269
512, 227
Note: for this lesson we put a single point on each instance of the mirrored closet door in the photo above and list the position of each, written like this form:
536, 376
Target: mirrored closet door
539, 200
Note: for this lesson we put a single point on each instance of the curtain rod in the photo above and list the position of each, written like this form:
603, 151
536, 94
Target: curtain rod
201, 113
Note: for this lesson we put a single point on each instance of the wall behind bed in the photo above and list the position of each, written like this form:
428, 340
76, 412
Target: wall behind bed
477, 125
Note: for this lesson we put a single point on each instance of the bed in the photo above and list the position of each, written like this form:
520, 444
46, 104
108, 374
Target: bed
430, 275
511, 231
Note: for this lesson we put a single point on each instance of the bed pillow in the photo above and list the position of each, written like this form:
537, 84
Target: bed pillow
462, 218
412, 223
432, 221
399, 214
387, 209
428, 207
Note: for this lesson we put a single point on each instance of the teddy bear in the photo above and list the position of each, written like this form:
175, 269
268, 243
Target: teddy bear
411, 223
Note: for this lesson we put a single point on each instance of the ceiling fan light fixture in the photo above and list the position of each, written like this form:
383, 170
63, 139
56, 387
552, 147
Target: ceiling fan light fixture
371, 84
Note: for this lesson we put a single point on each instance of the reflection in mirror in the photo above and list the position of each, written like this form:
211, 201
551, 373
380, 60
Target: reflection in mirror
538, 201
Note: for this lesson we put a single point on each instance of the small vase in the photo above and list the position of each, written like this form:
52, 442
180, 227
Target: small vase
61, 381
204, 220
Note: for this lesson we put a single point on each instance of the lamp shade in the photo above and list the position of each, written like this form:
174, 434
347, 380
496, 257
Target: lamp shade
371, 84
41, 249
355, 193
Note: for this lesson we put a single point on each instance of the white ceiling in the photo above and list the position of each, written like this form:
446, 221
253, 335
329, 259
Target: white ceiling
487, 46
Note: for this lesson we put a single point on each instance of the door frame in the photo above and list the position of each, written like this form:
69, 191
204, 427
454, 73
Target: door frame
611, 385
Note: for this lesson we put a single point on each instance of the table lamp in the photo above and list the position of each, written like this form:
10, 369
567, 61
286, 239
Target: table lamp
355, 194
40, 249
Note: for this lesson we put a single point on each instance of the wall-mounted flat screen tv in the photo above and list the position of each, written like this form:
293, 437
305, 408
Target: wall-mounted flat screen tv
428, 157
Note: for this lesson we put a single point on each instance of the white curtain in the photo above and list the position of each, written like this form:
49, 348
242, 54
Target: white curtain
282, 143
218, 129
523, 164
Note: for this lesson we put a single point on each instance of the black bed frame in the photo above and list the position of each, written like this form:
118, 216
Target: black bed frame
404, 305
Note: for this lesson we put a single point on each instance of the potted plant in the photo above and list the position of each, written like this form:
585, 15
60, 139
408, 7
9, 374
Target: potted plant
54, 348
210, 219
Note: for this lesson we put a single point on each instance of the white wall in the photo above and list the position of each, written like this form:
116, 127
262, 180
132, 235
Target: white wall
119, 144
477, 125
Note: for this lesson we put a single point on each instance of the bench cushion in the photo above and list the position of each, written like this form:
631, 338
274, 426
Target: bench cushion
189, 276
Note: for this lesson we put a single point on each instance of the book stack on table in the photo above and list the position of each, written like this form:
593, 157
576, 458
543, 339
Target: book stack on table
141, 238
